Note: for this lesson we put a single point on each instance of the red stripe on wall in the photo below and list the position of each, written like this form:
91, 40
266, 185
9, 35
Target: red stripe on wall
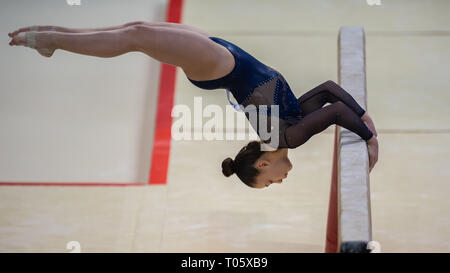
161, 143
163, 123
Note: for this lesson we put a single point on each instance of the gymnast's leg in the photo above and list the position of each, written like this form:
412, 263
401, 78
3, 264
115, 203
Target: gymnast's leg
84, 30
196, 54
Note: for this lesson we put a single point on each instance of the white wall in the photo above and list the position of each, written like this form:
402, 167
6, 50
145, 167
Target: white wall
76, 118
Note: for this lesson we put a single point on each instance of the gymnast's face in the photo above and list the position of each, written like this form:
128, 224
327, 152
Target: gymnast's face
273, 167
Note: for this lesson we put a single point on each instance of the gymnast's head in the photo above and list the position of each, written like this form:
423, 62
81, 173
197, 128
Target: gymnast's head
258, 168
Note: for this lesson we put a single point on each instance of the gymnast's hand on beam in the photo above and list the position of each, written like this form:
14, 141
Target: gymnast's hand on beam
372, 148
369, 123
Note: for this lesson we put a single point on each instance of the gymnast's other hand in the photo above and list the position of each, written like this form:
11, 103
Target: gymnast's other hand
372, 148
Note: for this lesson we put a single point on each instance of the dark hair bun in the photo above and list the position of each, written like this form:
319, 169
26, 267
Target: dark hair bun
254, 145
228, 167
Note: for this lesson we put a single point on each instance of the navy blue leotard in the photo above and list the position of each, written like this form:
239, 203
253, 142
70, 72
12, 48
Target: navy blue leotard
252, 82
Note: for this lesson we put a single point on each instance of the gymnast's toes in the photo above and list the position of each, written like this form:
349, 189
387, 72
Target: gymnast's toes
19, 39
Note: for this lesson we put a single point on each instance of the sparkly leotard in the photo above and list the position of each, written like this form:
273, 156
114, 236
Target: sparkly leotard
254, 83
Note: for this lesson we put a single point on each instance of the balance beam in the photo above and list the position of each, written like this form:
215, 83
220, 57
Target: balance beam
349, 224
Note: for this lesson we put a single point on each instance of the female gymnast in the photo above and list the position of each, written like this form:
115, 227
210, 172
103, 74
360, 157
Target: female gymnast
214, 63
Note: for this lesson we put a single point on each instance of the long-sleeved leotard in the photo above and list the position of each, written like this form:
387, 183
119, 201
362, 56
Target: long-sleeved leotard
343, 111
254, 83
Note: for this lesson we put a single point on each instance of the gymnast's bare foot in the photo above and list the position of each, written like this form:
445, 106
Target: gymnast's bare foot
41, 41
